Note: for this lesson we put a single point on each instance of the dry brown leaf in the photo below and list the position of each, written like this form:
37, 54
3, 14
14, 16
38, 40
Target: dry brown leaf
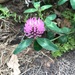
57, 13
13, 64
66, 23
63, 22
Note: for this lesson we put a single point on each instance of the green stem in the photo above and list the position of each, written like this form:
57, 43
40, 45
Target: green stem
61, 35
71, 32
40, 14
56, 38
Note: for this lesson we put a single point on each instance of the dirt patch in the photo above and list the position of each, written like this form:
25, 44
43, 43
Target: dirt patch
37, 63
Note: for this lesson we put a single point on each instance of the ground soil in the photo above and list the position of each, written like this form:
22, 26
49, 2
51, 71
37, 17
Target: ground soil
37, 63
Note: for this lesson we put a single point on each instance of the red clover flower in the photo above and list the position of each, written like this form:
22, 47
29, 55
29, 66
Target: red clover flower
34, 27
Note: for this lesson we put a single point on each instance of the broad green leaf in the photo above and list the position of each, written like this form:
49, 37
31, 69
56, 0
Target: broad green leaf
51, 17
60, 2
65, 30
63, 39
45, 7
36, 4
47, 44
53, 26
72, 3
31, 10
23, 45
50, 35
37, 47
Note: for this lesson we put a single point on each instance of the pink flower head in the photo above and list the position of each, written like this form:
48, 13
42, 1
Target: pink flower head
34, 27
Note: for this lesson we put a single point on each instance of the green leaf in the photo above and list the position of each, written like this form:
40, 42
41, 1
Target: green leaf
5, 10
53, 26
36, 4
51, 17
47, 44
50, 35
2, 17
23, 45
45, 7
66, 48
57, 53
65, 30
37, 47
72, 3
63, 39
31, 10
60, 2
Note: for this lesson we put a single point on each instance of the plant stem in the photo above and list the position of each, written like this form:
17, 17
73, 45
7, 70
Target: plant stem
56, 38
61, 35
40, 14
